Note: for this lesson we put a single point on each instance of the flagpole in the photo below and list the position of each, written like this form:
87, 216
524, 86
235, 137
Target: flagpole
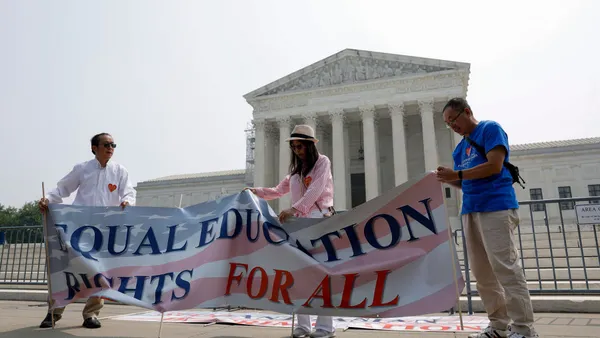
452, 253
293, 319
45, 226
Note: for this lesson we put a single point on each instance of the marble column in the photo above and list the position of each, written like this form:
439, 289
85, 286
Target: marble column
399, 142
271, 167
284, 157
339, 159
321, 135
271, 142
371, 154
348, 165
457, 138
311, 120
428, 128
259, 152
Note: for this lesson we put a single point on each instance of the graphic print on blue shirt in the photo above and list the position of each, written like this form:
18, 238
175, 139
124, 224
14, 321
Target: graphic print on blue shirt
492, 193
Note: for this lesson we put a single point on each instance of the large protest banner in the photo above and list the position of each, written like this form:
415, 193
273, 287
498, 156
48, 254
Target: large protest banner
392, 256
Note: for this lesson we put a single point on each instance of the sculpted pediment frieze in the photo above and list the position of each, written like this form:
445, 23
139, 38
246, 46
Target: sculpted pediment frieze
353, 69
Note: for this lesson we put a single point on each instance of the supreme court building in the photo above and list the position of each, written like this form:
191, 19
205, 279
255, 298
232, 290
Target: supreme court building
378, 118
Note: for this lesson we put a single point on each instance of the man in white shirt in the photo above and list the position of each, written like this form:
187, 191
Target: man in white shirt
98, 183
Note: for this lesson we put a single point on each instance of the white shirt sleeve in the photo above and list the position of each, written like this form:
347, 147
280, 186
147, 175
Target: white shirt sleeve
66, 186
126, 190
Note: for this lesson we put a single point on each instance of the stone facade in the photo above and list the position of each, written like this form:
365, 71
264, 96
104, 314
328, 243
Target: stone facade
554, 170
189, 189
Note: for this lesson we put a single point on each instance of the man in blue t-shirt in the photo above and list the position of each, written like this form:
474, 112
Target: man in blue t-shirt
489, 214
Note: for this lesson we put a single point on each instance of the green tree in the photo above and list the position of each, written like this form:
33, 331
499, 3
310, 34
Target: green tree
8, 215
29, 214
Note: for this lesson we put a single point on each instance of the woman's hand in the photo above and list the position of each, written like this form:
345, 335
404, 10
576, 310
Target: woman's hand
251, 190
285, 214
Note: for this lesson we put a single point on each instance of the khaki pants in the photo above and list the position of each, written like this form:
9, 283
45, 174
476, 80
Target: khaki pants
91, 309
495, 263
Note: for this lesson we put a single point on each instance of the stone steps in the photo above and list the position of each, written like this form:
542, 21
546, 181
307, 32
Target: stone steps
548, 274
543, 243
556, 262
556, 253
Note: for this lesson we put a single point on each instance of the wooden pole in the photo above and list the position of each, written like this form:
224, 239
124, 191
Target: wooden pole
161, 322
45, 226
162, 315
452, 253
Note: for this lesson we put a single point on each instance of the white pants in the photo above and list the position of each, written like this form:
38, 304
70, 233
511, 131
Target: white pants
323, 322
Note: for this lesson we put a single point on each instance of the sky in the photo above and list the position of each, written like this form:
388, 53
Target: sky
166, 78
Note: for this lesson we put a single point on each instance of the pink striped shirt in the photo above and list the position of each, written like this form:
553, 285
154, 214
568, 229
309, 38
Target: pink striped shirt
320, 189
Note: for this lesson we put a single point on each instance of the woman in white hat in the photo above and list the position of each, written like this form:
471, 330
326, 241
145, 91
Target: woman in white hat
311, 185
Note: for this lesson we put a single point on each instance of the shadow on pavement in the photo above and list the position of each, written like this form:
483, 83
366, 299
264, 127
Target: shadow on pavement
34, 332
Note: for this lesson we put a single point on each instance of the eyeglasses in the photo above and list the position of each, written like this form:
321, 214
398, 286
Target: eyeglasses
451, 122
297, 147
110, 145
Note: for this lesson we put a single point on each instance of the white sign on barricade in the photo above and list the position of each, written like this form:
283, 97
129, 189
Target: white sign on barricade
588, 213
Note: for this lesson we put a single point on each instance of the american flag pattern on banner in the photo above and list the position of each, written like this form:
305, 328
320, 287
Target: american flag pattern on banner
233, 252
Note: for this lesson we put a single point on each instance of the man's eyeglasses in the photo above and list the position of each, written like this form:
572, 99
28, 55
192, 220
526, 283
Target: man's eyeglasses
110, 145
451, 122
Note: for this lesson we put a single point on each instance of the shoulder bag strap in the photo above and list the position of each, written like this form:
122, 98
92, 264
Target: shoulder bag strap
477, 147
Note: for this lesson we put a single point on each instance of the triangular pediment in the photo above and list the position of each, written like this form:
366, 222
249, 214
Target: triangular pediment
353, 66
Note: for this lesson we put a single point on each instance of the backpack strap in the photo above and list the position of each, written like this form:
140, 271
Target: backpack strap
512, 169
477, 147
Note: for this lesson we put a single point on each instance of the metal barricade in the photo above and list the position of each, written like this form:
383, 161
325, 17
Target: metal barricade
22, 255
558, 255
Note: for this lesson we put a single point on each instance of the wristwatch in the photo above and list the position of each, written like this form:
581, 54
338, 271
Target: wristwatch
460, 175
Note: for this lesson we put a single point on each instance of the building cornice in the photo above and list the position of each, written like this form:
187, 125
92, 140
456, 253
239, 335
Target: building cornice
185, 181
410, 84
581, 149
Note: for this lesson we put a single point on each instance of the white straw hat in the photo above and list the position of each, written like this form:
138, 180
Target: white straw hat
303, 132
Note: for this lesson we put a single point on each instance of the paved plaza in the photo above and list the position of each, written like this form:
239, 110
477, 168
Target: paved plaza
21, 319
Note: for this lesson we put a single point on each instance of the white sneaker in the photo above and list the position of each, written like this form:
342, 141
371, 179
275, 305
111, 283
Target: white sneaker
320, 333
300, 333
490, 332
518, 335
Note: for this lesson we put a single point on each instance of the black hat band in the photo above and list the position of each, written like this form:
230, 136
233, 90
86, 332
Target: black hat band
301, 136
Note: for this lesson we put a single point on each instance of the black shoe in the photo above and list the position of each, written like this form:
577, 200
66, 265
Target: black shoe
47, 322
92, 323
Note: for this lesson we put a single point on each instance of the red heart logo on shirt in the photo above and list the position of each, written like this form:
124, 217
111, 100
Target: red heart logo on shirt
307, 181
112, 187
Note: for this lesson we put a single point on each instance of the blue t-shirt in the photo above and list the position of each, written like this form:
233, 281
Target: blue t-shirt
492, 193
